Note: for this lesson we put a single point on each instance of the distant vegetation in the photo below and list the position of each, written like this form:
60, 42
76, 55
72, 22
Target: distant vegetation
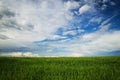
84, 68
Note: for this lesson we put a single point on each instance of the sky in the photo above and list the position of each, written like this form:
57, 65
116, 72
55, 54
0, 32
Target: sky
59, 28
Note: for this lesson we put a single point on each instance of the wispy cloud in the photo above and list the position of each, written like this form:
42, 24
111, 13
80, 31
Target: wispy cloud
33, 20
3, 37
57, 27
91, 44
84, 9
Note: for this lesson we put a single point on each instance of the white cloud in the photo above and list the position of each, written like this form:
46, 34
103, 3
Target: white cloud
70, 33
19, 54
73, 32
105, 27
46, 17
81, 30
76, 55
97, 43
34, 21
14, 54
71, 5
55, 37
67, 55
107, 21
98, 20
91, 44
29, 54
84, 8
3, 37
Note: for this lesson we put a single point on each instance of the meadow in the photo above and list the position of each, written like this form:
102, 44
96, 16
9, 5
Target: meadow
63, 68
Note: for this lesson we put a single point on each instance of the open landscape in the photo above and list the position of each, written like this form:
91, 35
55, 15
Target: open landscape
59, 39
62, 68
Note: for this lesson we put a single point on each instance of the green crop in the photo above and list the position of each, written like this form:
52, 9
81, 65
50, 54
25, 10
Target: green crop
82, 68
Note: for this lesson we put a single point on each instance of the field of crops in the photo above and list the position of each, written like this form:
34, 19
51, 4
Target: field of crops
84, 68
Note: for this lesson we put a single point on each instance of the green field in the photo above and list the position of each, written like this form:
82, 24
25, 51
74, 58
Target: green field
84, 68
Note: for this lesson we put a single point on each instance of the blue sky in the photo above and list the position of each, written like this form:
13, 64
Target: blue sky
58, 28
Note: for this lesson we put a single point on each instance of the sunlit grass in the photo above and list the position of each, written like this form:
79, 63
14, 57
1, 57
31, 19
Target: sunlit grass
84, 68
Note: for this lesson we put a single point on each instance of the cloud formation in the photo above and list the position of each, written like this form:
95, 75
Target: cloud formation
92, 44
3, 37
33, 20
84, 8
58, 27
19, 54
